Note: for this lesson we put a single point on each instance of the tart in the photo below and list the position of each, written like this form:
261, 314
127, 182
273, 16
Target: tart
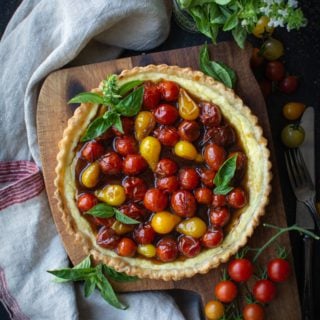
166, 189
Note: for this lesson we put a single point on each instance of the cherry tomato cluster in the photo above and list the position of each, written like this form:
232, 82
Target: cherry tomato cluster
160, 172
263, 290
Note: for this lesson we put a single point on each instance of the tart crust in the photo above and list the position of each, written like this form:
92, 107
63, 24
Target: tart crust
258, 177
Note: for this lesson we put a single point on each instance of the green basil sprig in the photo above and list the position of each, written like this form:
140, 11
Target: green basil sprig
224, 176
103, 210
118, 101
94, 277
217, 70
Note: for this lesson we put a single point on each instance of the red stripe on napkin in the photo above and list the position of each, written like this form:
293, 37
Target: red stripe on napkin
25, 181
9, 301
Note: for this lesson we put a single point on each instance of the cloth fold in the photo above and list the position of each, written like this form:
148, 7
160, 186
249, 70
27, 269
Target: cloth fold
43, 36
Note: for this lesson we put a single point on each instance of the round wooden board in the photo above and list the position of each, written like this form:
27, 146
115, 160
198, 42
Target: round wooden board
53, 114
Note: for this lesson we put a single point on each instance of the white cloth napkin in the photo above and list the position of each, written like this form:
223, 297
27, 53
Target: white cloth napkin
45, 35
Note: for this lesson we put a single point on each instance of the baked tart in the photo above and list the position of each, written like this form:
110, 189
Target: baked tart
162, 172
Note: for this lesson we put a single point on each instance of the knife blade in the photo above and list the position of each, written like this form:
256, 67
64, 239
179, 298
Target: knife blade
303, 216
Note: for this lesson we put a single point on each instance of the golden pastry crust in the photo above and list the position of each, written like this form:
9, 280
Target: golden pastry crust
258, 177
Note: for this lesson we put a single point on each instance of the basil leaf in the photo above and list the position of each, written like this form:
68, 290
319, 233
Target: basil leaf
239, 34
125, 88
117, 124
89, 286
224, 176
106, 289
73, 274
85, 263
222, 2
231, 22
131, 104
96, 128
118, 276
124, 218
101, 210
201, 19
216, 70
85, 97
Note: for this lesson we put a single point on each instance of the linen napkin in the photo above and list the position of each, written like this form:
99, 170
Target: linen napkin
45, 35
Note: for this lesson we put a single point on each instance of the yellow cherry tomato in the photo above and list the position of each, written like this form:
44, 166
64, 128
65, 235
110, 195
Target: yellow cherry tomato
214, 310
122, 228
150, 149
262, 29
186, 150
163, 222
90, 175
113, 194
293, 110
147, 250
188, 109
144, 124
194, 227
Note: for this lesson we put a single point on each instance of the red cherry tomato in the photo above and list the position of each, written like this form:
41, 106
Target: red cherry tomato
236, 198
203, 195
167, 135
135, 188
275, 71
134, 164
125, 145
225, 291
92, 150
189, 130
210, 114
218, 200
151, 95
264, 290
167, 249
240, 270
166, 114
224, 135
126, 247
127, 126
212, 238
107, 238
111, 163
188, 178
134, 211
278, 270
169, 90
257, 58
86, 201
214, 156
144, 234
166, 167
168, 184
289, 84
183, 203
253, 311
155, 200
189, 246
219, 216
207, 176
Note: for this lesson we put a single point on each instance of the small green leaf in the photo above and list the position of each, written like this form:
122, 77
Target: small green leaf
117, 123
131, 104
89, 286
222, 189
124, 218
101, 210
85, 97
231, 22
96, 128
106, 289
118, 276
125, 88
73, 274
222, 2
239, 34
85, 263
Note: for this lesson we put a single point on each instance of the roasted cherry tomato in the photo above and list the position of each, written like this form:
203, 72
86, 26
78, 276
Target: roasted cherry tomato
256, 58
151, 95
240, 270
218, 200
293, 110
292, 135
264, 290
134, 164
262, 29
219, 216
167, 249
126, 247
212, 238
214, 310
210, 114
107, 238
203, 195
155, 200
135, 188
278, 270
188, 178
214, 156
183, 203
168, 184
275, 70
225, 291
166, 114
86, 201
134, 211
221, 135
289, 84
111, 163
144, 234
92, 150
127, 126
272, 49
207, 176
167, 135
166, 167
189, 246
169, 90
189, 130
253, 311
125, 145
236, 198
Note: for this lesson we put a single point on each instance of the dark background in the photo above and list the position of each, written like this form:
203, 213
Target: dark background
302, 58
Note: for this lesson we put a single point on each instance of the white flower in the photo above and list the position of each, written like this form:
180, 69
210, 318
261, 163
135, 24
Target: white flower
276, 22
283, 12
293, 3
244, 22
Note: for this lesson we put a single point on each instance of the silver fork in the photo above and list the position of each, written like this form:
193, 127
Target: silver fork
301, 182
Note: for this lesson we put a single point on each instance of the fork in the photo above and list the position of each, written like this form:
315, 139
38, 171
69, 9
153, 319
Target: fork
301, 182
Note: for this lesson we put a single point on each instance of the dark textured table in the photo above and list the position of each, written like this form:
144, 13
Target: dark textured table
302, 58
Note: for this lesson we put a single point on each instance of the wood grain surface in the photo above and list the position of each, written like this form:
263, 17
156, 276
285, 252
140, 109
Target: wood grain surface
53, 113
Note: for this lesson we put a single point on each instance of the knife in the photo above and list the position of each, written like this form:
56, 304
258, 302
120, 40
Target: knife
303, 216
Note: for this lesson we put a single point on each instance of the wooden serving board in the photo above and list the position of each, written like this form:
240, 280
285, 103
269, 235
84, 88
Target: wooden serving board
53, 113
